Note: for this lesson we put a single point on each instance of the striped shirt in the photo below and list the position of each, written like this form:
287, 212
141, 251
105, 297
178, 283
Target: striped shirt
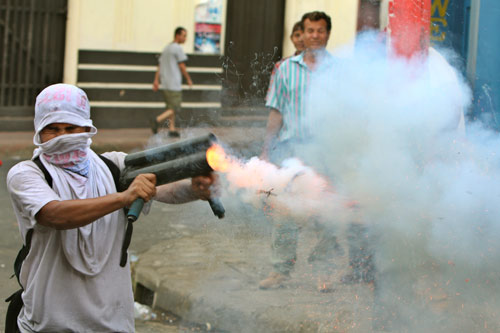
288, 94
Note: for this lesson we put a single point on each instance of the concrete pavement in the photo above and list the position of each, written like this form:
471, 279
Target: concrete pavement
211, 277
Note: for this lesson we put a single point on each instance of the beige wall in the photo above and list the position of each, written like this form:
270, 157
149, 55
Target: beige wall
148, 25
343, 13
135, 25
126, 25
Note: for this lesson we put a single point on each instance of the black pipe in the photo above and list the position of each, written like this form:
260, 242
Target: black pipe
184, 159
170, 152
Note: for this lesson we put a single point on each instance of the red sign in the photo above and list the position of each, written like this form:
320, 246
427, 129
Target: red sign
409, 26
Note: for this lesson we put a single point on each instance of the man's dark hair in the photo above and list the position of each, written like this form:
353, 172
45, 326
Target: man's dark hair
316, 16
297, 26
178, 31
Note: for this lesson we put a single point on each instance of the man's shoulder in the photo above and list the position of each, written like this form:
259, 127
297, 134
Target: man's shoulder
175, 47
21, 167
22, 171
288, 62
117, 157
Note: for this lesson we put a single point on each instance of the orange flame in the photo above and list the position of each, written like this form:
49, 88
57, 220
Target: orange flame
218, 159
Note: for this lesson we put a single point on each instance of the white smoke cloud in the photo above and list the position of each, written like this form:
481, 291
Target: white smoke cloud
390, 134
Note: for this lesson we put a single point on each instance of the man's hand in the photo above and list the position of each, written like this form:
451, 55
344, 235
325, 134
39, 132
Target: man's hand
143, 186
204, 187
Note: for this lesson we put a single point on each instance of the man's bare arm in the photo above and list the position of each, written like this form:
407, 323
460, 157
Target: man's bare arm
69, 214
184, 72
156, 82
185, 191
274, 124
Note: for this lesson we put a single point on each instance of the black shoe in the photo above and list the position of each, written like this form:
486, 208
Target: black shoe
174, 134
154, 125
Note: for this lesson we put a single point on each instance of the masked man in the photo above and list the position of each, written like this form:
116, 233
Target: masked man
71, 276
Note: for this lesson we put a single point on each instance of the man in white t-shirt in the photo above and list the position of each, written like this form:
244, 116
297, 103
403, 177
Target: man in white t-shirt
168, 78
71, 277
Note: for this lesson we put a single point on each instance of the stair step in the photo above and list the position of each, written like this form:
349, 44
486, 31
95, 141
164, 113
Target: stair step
243, 121
151, 105
143, 76
137, 95
245, 111
142, 58
8, 123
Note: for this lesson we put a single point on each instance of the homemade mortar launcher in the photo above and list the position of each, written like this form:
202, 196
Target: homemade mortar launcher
170, 163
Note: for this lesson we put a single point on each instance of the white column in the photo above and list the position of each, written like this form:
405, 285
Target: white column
72, 42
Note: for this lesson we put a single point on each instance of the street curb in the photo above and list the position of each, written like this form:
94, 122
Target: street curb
211, 278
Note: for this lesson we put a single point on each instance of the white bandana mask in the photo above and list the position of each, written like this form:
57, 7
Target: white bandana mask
68, 151
64, 103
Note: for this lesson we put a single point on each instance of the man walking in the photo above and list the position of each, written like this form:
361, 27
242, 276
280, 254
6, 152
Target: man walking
168, 78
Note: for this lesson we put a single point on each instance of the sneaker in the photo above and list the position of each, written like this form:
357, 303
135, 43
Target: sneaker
273, 281
174, 134
154, 125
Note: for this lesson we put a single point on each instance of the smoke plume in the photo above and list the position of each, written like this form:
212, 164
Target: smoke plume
389, 134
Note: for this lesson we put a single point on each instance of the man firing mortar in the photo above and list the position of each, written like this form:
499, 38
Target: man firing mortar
74, 228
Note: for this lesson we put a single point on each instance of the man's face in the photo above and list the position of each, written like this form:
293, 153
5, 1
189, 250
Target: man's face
315, 34
55, 129
297, 40
181, 37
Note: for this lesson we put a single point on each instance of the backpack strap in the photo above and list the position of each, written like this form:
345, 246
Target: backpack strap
42, 167
115, 171
22, 254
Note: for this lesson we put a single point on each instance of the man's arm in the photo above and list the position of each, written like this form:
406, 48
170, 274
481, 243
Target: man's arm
274, 124
182, 67
185, 191
156, 82
69, 214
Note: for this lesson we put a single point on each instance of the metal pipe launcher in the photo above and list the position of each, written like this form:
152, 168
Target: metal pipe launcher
170, 163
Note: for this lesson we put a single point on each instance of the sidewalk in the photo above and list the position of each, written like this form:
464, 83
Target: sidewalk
19, 145
211, 278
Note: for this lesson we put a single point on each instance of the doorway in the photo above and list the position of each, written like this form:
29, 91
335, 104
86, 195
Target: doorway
253, 43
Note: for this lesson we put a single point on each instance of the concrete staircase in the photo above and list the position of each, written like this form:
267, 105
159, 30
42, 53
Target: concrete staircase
119, 87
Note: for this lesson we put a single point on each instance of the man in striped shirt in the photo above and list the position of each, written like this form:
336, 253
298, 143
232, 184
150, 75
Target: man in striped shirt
286, 128
288, 89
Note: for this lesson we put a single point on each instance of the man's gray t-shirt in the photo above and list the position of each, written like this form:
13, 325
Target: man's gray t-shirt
60, 295
170, 73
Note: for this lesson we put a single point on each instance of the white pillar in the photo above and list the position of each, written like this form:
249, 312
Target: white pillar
72, 42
